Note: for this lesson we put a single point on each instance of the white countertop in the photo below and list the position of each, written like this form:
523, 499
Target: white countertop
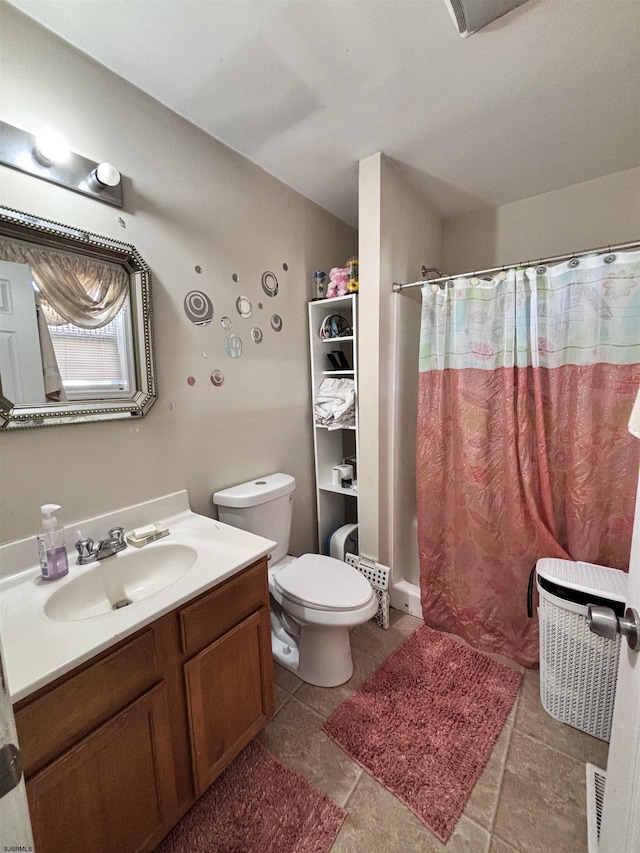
38, 649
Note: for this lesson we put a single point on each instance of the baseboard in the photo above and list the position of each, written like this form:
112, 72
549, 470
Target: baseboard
405, 597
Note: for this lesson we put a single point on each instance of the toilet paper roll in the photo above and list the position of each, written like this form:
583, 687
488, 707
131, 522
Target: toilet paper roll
346, 472
634, 420
340, 473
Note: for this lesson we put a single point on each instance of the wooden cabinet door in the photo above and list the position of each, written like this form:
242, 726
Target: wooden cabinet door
114, 790
229, 694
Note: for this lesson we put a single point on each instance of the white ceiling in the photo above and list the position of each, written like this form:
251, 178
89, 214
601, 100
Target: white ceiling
545, 97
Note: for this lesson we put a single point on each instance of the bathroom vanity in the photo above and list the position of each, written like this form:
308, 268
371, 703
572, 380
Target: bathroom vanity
121, 744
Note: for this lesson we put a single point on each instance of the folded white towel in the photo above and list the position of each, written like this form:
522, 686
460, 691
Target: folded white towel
335, 404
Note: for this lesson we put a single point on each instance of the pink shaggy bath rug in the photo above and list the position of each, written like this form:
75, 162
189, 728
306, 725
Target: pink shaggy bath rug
425, 723
257, 804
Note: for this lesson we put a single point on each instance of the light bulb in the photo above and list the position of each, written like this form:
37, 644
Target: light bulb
104, 176
107, 175
50, 148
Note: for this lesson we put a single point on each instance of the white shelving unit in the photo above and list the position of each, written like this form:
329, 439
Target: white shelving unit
335, 505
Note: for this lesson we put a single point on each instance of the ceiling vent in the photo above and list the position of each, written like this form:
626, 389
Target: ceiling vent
472, 15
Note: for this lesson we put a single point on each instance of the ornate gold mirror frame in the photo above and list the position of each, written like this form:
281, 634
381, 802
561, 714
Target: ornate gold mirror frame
142, 394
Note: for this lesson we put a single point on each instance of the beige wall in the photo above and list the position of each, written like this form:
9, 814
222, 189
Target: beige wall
580, 217
398, 234
188, 201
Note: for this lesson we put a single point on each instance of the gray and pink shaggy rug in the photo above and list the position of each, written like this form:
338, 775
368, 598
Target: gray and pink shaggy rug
257, 804
425, 723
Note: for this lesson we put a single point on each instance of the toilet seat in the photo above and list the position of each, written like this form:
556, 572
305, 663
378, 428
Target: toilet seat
323, 583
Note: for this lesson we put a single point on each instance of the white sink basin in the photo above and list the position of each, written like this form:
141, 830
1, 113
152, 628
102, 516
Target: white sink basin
120, 580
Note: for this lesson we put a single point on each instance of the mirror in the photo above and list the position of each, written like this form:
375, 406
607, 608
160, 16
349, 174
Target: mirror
76, 332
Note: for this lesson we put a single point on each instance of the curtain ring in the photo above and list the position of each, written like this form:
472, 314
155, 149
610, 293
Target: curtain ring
541, 270
574, 262
609, 259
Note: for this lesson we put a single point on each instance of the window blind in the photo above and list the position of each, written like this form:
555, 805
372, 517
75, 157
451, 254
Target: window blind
89, 357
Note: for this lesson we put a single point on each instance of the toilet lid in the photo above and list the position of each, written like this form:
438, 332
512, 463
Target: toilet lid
323, 583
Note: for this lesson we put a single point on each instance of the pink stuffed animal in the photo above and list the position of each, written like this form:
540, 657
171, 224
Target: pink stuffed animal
338, 278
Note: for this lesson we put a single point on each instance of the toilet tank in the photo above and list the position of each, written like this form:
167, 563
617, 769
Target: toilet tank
261, 506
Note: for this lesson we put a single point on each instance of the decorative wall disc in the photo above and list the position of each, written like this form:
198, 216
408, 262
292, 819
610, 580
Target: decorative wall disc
226, 323
217, 378
191, 380
276, 322
269, 283
233, 346
256, 335
198, 307
243, 306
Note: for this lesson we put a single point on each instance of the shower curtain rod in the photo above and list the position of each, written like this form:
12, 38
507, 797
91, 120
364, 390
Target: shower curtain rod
397, 288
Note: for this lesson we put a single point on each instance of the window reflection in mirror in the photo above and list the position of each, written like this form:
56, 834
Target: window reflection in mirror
96, 363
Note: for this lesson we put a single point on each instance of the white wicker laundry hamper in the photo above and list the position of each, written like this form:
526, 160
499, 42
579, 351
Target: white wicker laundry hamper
578, 669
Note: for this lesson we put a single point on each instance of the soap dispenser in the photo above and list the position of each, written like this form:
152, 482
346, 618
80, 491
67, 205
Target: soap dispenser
51, 548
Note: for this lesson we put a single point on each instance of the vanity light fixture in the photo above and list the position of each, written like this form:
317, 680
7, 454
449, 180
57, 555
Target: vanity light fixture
48, 157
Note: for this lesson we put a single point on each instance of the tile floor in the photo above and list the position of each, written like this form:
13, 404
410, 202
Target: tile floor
530, 799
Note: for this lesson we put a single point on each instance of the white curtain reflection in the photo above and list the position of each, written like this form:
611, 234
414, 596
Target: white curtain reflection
75, 288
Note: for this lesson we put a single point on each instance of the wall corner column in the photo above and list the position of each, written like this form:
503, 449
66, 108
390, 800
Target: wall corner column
369, 253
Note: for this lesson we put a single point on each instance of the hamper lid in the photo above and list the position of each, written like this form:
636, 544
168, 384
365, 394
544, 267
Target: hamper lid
585, 577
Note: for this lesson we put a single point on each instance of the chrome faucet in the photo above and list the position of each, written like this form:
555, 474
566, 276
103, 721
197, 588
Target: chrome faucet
105, 547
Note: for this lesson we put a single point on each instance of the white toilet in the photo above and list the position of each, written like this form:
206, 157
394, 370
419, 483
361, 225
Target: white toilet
315, 600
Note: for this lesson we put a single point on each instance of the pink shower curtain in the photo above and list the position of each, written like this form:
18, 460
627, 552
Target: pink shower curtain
525, 389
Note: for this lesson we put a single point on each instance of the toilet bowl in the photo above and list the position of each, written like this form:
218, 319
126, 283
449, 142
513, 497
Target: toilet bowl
315, 600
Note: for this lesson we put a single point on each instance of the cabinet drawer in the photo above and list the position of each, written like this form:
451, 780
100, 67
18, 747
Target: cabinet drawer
219, 610
51, 723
